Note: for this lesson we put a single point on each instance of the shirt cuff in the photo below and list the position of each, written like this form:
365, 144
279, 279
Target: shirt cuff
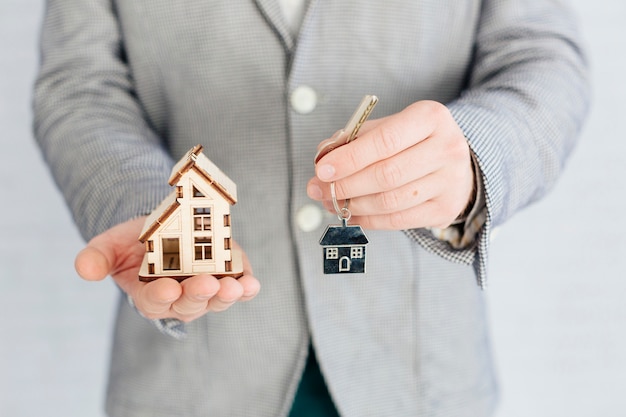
463, 232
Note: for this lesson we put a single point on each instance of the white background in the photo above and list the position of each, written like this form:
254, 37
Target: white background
557, 269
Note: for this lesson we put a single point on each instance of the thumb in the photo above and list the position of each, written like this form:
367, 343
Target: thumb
92, 263
106, 253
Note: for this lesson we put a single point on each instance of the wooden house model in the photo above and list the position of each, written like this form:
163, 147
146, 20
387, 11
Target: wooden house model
190, 231
344, 249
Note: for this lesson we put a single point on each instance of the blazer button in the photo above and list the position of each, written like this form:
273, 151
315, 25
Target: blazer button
303, 99
309, 217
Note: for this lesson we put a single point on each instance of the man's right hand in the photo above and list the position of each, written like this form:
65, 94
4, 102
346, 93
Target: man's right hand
118, 253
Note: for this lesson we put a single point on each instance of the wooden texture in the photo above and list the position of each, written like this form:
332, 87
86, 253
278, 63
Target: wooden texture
189, 233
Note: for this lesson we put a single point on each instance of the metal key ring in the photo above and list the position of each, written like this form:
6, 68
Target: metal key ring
342, 212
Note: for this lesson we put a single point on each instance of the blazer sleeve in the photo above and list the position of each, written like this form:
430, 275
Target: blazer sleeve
108, 162
522, 112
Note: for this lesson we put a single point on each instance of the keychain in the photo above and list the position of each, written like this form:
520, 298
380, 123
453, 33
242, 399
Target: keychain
343, 244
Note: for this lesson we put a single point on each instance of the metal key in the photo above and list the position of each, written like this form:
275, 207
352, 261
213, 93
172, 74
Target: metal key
349, 132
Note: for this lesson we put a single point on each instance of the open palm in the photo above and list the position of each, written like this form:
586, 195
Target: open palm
118, 253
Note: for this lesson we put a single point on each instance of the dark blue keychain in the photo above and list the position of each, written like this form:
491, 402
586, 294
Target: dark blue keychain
344, 244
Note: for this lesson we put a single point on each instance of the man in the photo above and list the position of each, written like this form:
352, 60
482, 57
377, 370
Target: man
480, 104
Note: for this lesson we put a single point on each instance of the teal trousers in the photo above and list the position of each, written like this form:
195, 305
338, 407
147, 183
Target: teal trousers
312, 398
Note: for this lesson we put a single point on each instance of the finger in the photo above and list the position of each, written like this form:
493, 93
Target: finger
428, 202
154, 299
446, 152
111, 251
428, 214
333, 138
368, 125
251, 287
412, 164
247, 267
196, 293
397, 133
229, 293
399, 199
92, 264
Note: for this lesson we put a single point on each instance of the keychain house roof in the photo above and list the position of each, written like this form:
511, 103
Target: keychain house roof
190, 231
344, 249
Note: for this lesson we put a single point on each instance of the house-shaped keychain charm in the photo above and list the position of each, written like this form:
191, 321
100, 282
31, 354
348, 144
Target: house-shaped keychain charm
189, 233
344, 249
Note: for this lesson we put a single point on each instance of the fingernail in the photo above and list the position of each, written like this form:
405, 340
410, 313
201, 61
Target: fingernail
325, 172
314, 192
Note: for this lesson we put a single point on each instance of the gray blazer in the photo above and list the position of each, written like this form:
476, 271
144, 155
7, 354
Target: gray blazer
126, 87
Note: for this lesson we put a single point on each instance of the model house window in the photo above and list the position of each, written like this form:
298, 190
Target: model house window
171, 253
226, 220
197, 193
149, 245
332, 253
179, 191
226, 243
356, 253
202, 218
203, 248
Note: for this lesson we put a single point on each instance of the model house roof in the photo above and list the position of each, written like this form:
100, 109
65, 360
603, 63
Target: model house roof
159, 216
193, 160
339, 235
196, 160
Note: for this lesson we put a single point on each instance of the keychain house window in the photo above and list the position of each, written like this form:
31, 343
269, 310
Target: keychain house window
190, 230
356, 252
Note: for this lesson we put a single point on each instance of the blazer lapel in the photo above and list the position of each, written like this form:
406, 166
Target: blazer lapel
274, 17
